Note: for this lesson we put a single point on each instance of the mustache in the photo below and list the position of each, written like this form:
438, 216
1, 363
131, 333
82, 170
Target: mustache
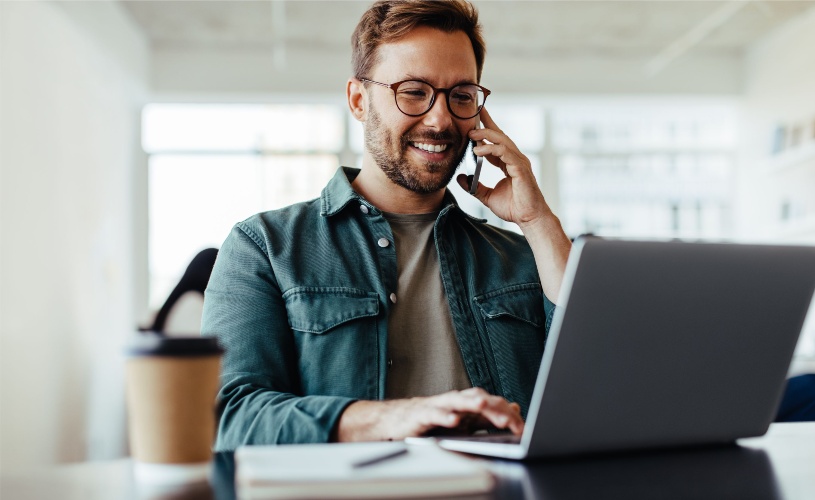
446, 136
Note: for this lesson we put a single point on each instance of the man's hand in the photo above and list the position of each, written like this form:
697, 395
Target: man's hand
517, 198
463, 411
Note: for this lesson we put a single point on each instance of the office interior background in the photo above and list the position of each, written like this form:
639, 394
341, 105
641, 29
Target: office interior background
134, 134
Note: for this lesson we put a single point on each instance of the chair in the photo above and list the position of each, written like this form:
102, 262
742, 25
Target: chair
192, 285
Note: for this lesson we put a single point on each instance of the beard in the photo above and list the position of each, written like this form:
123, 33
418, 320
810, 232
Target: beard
392, 157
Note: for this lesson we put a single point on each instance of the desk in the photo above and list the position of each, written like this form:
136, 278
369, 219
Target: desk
778, 466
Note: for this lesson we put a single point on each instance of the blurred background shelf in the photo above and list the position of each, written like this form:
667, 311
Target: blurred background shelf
800, 157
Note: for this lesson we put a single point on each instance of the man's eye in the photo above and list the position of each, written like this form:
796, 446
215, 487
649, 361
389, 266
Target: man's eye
413, 93
463, 98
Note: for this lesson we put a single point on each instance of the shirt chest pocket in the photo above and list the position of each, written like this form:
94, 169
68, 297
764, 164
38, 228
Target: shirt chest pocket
319, 310
335, 334
515, 320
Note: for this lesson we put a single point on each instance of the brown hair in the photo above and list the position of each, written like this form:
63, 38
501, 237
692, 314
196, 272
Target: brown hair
389, 20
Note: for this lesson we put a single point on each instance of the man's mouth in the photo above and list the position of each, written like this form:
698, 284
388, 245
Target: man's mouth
430, 148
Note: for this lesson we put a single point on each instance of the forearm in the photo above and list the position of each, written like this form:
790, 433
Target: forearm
254, 415
551, 248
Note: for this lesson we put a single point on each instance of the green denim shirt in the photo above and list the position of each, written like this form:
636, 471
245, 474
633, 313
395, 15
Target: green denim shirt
299, 300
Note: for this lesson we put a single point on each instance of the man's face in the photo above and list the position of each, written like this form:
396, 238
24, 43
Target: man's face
407, 148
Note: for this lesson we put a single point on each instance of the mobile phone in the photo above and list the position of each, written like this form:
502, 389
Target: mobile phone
478, 161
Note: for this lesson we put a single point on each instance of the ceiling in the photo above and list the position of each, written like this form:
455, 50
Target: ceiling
563, 27
654, 34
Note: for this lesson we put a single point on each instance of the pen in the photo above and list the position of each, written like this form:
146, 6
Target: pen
381, 458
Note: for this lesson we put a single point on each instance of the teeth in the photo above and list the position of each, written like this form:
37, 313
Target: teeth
432, 148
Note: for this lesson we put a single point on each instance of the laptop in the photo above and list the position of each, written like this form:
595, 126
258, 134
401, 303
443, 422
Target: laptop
662, 344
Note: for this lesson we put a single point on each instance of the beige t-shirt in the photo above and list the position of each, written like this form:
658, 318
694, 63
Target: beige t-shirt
424, 358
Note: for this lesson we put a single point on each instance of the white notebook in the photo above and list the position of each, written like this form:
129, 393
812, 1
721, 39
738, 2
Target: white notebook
333, 471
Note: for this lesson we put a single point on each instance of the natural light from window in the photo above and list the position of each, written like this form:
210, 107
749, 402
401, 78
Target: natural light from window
640, 168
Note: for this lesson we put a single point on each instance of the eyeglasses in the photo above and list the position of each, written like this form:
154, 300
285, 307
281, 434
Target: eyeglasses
415, 97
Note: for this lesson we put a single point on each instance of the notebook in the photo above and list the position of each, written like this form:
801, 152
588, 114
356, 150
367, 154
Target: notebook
355, 470
662, 344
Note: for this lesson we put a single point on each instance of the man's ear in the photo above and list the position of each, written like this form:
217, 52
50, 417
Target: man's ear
357, 99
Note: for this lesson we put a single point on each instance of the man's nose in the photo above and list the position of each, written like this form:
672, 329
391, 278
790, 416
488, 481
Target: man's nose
439, 117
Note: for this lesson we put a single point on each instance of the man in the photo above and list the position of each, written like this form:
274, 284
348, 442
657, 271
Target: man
381, 310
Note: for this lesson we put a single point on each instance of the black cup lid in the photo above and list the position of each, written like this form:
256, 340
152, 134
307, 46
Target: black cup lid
150, 344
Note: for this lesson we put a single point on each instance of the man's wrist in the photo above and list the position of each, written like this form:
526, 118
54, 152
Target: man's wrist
361, 421
348, 425
544, 226
551, 248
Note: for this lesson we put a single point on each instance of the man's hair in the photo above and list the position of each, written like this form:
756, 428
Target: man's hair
389, 20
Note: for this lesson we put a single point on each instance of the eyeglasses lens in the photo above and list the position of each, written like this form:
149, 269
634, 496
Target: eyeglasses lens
414, 98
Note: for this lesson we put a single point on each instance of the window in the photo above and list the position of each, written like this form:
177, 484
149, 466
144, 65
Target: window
646, 169
211, 166
630, 168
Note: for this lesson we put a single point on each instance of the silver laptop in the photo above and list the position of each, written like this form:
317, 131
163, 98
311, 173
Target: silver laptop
662, 344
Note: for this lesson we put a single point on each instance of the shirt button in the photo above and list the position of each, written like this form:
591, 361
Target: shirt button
393, 298
390, 363
363, 209
383, 242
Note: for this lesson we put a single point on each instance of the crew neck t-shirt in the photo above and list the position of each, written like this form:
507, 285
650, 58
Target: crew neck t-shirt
424, 357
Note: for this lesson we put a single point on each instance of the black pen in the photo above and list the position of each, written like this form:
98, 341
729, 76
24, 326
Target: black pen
381, 458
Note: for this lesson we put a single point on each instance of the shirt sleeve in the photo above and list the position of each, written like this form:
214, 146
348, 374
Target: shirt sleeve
260, 400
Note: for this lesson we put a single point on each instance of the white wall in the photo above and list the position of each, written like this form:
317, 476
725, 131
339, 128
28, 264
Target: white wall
780, 89
180, 71
73, 79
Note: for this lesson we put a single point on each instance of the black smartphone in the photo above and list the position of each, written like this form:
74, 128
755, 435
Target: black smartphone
477, 173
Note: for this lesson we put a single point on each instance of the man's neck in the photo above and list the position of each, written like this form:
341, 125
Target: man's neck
375, 187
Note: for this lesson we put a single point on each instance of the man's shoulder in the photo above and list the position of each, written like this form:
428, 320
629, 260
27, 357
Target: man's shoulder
281, 219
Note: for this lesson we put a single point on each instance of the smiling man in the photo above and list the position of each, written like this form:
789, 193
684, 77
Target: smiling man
381, 310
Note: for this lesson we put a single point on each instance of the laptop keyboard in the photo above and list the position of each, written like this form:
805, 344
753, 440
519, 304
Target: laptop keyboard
491, 438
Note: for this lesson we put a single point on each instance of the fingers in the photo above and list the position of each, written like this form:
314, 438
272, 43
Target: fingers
505, 419
492, 136
495, 409
482, 192
487, 120
509, 160
490, 131
433, 416
465, 180
499, 149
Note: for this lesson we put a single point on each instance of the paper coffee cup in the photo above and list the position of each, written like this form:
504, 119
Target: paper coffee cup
172, 385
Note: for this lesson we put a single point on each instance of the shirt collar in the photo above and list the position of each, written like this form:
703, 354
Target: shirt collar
338, 193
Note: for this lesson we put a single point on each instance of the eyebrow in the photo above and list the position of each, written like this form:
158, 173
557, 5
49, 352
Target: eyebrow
409, 76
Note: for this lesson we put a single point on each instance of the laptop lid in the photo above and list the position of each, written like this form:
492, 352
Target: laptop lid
660, 344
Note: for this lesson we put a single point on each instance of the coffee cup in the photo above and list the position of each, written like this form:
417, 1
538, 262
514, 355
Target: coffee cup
172, 385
